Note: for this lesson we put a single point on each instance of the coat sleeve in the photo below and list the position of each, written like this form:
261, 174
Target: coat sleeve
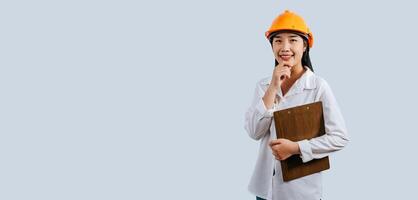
257, 118
335, 137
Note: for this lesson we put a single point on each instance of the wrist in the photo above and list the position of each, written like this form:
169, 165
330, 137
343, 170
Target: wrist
296, 149
273, 89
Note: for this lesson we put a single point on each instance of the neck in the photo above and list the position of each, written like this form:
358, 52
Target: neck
297, 72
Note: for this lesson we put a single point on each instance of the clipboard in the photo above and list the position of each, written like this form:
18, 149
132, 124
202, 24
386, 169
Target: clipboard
299, 123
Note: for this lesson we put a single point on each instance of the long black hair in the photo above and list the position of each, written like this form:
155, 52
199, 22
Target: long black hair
306, 59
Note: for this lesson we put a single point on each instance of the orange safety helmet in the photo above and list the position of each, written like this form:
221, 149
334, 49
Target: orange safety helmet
290, 21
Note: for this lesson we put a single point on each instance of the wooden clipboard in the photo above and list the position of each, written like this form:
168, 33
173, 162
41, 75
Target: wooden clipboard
299, 123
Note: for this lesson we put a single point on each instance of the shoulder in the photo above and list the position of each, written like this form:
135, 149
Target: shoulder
320, 82
323, 89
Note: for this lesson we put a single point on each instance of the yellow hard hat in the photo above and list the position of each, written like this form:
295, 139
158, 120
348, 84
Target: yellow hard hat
290, 21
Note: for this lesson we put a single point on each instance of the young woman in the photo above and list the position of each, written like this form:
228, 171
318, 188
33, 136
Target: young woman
291, 84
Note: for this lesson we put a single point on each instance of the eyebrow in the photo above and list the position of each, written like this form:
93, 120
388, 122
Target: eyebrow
292, 36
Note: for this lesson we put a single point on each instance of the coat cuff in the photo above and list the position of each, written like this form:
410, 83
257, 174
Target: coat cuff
262, 110
305, 150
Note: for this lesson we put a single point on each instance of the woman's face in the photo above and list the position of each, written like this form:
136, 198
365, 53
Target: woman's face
288, 48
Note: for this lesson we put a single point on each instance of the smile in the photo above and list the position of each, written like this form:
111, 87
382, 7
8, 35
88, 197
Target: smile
286, 57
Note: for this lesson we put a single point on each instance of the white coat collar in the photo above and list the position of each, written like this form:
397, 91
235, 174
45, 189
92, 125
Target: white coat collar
306, 81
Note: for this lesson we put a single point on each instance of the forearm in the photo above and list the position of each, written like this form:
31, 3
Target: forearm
269, 97
258, 120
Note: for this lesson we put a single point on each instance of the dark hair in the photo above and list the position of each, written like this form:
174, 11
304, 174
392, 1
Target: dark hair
306, 60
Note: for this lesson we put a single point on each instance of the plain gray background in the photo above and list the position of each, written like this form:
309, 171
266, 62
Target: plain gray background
146, 99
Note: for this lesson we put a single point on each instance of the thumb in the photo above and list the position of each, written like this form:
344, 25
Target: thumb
274, 142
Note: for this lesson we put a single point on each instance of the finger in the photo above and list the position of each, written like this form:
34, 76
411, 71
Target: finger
280, 70
282, 64
276, 148
288, 70
274, 142
276, 155
284, 76
282, 140
274, 152
284, 157
284, 73
288, 73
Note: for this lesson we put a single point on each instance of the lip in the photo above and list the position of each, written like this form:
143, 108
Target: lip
285, 57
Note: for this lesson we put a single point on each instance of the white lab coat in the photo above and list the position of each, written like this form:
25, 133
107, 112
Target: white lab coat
308, 88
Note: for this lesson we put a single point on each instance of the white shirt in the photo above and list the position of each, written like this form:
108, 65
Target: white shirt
308, 88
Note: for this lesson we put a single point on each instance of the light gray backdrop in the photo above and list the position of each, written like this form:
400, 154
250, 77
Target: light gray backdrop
146, 99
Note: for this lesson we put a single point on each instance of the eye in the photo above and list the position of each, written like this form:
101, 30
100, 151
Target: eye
278, 41
293, 40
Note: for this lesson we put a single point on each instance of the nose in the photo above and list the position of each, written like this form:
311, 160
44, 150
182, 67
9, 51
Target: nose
286, 47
